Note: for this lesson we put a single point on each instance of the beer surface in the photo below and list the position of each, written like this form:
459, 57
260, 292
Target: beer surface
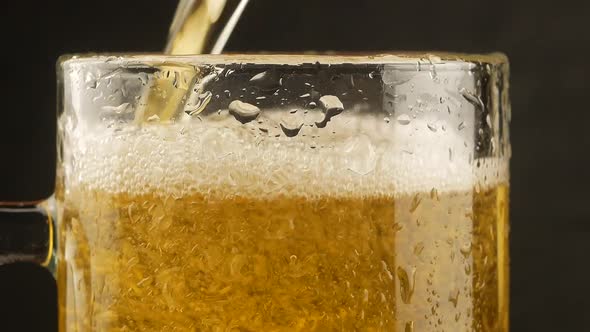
179, 245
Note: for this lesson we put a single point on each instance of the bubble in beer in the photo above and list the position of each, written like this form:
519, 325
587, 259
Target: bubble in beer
242, 111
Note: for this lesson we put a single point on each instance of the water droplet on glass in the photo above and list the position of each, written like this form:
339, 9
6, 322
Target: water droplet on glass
488, 121
293, 111
258, 76
305, 95
331, 106
100, 95
90, 80
385, 268
467, 269
433, 74
229, 72
351, 81
461, 125
418, 248
117, 109
374, 74
243, 112
472, 99
291, 128
202, 101
406, 283
176, 80
454, 297
432, 126
415, 203
434, 59
386, 119
465, 249
359, 155
434, 194
153, 118
409, 326
403, 119
227, 93
312, 105
267, 80
91, 84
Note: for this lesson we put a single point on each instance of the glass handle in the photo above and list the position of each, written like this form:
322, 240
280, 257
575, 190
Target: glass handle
27, 232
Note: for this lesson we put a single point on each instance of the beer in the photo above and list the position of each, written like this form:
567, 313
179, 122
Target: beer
194, 227
203, 26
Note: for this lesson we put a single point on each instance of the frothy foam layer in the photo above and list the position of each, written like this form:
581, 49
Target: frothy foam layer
354, 155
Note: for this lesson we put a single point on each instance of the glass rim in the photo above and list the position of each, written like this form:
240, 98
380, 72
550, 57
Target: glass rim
406, 59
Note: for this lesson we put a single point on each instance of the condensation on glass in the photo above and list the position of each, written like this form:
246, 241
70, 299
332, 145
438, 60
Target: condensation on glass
283, 193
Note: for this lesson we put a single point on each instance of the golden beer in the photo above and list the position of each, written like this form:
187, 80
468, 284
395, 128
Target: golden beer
169, 235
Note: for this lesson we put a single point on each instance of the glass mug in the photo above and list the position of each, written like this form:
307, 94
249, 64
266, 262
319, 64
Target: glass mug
280, 193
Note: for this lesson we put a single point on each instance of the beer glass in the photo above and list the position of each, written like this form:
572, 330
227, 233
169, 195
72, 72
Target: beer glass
283, 193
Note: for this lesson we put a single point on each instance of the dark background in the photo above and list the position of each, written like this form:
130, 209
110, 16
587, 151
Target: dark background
547, 44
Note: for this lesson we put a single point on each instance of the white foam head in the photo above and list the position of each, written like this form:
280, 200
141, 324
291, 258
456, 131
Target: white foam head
359, 155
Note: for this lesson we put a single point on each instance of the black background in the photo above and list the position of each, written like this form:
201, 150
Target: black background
547, 44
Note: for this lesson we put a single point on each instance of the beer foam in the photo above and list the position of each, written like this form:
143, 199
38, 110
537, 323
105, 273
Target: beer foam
359, 155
